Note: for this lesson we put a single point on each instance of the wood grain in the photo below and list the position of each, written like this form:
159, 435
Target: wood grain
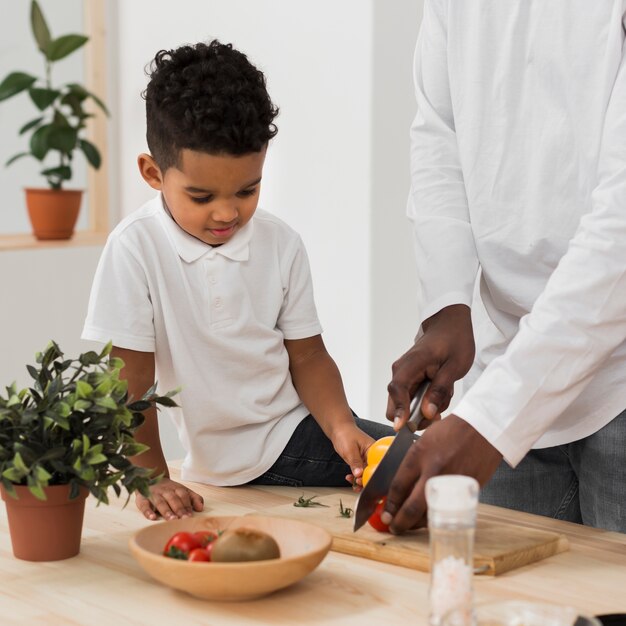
104, 585
499, 546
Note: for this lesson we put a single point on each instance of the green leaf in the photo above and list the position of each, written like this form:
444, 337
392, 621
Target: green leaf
82, 405
30, 125
116, 363
43, 98
15, 157
13, 474
83, 389
18, 462
96, 458
165, 401
42, 475
37, 490
91, 153
63, 172
63, 138
39, 142
82, 93
107, 402
139, 406
63, 46
14, 83
39, 26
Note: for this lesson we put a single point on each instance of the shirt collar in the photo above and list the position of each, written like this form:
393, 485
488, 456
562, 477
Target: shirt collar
191, 249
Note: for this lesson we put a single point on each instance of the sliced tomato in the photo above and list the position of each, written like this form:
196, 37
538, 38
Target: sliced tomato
374, 521
180, 545
199, 555
205, 537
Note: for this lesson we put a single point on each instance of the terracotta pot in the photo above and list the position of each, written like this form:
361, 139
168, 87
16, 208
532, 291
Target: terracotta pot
53, 212
45, 530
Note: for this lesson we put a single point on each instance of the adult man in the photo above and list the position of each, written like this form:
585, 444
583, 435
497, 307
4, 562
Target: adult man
518, 166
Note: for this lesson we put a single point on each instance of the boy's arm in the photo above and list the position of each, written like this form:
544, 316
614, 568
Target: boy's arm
168, 498
318, 383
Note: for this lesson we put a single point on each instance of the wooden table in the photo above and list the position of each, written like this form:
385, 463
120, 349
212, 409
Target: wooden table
104, 585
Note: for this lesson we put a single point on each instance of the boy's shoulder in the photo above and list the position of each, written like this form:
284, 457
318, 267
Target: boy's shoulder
140, 221
268, 224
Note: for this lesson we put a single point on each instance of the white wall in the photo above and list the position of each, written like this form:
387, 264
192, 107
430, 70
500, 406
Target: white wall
45, 295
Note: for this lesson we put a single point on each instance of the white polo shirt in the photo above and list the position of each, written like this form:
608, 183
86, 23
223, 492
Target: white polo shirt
216, 318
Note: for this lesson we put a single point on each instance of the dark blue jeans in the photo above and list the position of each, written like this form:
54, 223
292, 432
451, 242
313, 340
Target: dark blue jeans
583, 481
309, 459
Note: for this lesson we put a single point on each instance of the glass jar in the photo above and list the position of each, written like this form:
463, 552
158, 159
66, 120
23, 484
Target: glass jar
452, 502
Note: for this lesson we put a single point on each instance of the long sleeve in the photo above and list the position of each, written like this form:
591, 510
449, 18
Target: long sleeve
578, 320
446, 253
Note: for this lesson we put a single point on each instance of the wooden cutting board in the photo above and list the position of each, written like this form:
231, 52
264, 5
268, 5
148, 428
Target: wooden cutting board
499, 546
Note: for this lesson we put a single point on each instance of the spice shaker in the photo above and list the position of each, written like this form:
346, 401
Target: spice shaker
452, 502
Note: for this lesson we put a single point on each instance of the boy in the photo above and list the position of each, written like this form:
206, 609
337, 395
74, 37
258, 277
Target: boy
206, 292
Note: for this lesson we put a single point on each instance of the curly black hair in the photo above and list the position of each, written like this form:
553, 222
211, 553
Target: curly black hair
207, 98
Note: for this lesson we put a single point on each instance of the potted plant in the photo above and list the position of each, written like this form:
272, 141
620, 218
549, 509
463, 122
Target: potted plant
56, 133
68, 435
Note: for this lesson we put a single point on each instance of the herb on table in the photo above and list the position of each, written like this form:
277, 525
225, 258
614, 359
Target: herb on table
305, 502
344, 511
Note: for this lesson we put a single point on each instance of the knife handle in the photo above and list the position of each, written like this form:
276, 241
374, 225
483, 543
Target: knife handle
415, 410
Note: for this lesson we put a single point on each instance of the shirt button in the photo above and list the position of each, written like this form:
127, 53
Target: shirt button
217, 303
212, 280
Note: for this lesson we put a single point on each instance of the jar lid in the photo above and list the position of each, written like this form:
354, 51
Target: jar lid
452, 493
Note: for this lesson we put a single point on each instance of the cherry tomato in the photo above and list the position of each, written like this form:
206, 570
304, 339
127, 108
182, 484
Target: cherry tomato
205, 537
209, 549
199, 555
180, 545
374, 520
377, 450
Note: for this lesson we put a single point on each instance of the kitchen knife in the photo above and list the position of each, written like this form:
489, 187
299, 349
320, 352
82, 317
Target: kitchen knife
381, 478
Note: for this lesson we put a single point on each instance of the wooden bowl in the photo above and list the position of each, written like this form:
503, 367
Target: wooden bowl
302, 548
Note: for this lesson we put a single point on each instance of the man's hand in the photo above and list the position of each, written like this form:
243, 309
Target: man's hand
169, 499
351, 444
443, 354
450, 446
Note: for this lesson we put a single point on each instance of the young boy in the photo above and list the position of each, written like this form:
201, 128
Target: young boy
209, 294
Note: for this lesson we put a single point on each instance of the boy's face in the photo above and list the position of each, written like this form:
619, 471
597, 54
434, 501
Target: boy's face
209, 196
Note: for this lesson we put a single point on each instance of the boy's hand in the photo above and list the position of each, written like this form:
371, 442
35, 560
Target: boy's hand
443, 354
351, 444
169, 499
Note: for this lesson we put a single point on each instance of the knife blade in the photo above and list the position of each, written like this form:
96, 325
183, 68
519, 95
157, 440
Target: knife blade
379, 483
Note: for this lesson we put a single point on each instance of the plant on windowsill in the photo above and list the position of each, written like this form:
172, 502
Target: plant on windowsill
57, 131
68, 435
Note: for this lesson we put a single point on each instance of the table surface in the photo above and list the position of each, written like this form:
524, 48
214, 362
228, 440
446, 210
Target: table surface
105, 585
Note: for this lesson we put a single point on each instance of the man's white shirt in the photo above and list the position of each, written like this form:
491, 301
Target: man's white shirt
518, 170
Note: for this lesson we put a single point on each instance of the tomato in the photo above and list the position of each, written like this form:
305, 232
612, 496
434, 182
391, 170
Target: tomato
377, 450
205, 537
374, 520
180, 545
199, 555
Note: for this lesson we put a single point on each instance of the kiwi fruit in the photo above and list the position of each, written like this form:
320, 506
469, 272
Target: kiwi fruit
244, 544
